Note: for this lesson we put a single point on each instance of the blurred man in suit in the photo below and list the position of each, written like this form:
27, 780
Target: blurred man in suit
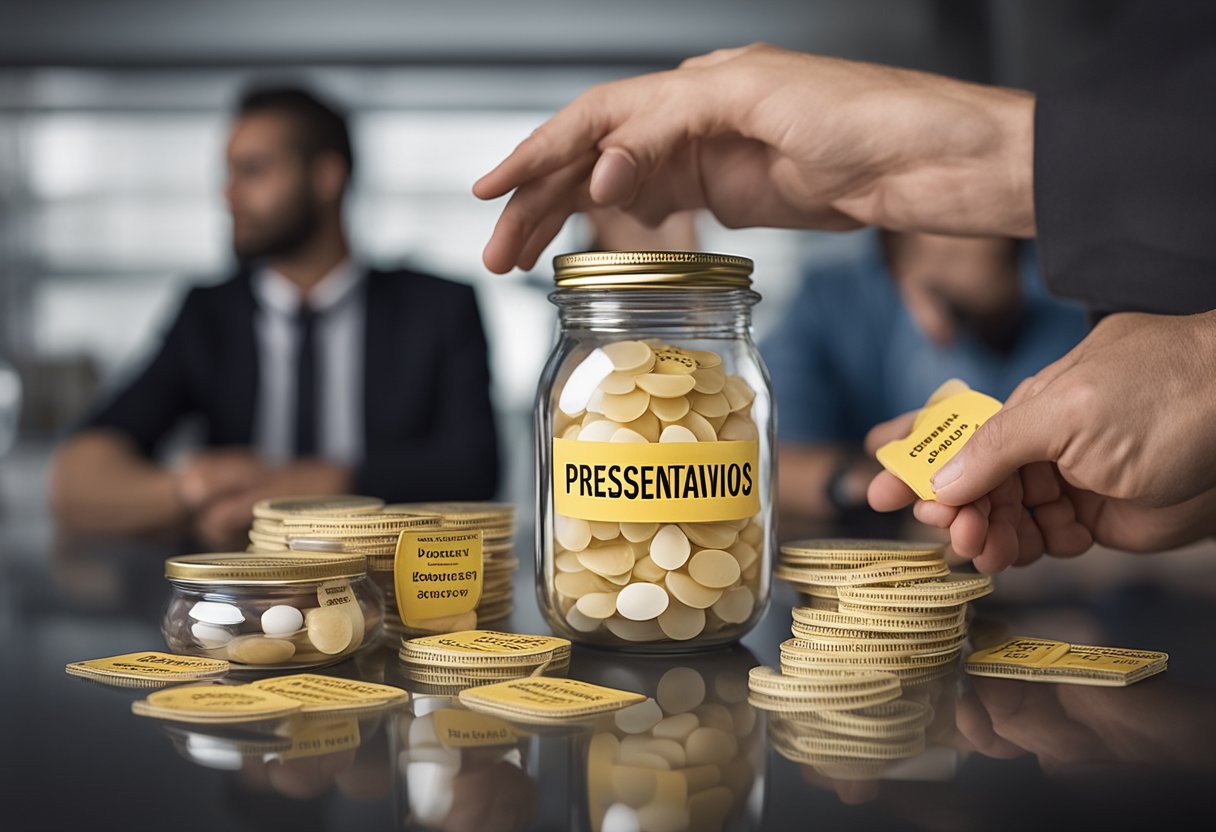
310, 372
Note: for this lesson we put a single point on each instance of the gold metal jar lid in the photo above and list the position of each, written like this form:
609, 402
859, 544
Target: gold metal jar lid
639, 269
249, 568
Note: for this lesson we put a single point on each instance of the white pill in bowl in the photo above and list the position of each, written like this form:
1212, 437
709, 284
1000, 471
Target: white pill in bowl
281, 620
211, 635
216, 612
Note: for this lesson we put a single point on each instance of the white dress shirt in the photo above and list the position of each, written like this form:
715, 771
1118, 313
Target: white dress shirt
339, 302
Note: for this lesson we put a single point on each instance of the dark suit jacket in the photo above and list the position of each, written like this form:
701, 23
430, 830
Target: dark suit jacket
428, 426
1125, 167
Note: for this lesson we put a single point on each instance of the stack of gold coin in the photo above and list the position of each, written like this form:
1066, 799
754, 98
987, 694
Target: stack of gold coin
372, 534
878, 605
481, 657
268, 533
497, 524
874, 609
365, 525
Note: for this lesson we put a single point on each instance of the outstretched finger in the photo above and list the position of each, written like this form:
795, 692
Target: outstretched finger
546, 203
562, 140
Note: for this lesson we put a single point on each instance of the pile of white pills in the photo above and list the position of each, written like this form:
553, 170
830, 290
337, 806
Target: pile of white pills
644, 582
276, 633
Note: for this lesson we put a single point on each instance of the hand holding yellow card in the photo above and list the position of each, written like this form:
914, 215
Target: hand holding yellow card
949, 418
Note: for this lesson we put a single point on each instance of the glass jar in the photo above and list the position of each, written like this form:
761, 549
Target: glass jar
264, 611
655, 477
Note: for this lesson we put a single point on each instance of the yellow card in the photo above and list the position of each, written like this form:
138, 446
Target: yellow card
547, 698
1042, 660
938, 433
316, 692
945, 390
1022, 652
473, 644
438, 573
215, 703
150, 665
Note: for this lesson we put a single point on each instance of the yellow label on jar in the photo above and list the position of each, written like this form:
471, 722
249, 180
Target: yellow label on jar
656, 482
437, 573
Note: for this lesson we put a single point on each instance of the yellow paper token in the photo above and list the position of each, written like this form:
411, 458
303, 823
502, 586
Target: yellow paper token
940, 431
148, 668
1044, 660
317, 693
546, 699
215, 704
947, 389
484, 647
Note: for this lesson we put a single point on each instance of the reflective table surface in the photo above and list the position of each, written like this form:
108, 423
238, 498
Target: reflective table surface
995, 754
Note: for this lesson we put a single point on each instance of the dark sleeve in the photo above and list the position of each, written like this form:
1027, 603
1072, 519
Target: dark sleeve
150, 405
459, 459
1125, 170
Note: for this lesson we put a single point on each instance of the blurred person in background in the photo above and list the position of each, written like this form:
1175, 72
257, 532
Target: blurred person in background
310, 371
869, 338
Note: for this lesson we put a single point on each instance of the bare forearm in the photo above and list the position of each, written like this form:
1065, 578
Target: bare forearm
762, 136
101, 485
974, 177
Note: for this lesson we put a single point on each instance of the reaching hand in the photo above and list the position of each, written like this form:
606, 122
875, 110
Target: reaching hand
1113, 443
765, 136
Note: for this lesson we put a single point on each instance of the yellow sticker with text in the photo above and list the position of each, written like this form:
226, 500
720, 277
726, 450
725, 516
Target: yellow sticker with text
656, 482
938, 433
466, 729
438, 573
